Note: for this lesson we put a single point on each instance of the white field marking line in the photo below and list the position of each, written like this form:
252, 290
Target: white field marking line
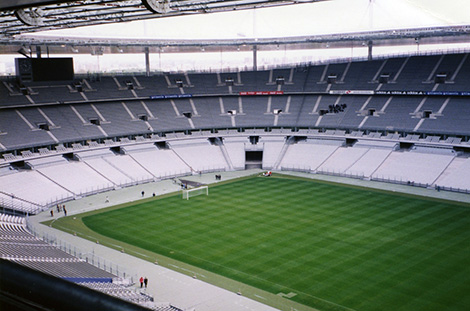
89, 236
290, 295
116, 245
129, 252
140, 254
53, 222
187, 270
257, 277
134, 252
259, 296
315, 297
86, 235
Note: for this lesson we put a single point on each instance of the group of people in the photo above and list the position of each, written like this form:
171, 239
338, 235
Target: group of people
143, 193
59, 209
143, 282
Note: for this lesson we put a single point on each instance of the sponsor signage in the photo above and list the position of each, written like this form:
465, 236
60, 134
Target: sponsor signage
261, 93
171, 96
397, 92
429, 93
351, 92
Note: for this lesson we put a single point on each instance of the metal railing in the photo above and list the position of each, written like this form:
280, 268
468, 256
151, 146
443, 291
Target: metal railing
90, 257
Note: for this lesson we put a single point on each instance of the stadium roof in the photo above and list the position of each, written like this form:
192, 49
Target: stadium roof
38, 15
127, 26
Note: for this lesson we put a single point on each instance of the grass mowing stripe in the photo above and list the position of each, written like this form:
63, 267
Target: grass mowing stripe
324, 242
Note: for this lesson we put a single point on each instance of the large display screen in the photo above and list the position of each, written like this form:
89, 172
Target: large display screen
52, 69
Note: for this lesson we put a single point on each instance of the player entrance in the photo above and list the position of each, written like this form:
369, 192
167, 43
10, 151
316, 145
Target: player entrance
253, 159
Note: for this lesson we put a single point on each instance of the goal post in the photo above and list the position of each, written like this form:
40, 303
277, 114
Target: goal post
187, 193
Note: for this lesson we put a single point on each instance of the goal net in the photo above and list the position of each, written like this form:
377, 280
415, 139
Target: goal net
187, 193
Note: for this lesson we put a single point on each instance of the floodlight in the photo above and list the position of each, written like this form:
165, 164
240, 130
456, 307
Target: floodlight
23, 51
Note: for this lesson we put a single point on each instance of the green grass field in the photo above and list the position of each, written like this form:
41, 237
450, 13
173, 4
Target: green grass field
334, 247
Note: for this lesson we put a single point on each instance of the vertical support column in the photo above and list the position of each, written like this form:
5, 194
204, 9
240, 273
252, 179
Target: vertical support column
369, 47
147, 61
38, 51
255, 58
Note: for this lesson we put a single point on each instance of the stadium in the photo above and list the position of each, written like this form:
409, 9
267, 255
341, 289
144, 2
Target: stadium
147, 163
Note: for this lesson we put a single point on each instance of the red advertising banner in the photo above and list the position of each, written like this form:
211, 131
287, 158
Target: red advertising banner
261, 93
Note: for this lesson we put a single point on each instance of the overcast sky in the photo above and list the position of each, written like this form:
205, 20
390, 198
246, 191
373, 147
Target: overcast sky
334, 16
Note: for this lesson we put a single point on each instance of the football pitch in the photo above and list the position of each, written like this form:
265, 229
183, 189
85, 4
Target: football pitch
325, 246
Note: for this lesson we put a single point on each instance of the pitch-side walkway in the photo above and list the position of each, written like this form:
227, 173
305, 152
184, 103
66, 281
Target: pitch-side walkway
432, 193
168, 286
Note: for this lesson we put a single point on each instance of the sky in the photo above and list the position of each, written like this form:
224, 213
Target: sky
328, 17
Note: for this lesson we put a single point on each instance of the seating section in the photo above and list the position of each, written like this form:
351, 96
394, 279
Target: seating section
46, 161
125, 293
52, 179
456, 176
159, 163
413, 167
200, 155
218, 93
145, 140
308, 155
12, 202
20, 246
16, 133
271, 151
103, 166
34, 189
369, 162
77, 178
342, 159
126, 165
11, 223
119, 291
235, 147
55, 152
